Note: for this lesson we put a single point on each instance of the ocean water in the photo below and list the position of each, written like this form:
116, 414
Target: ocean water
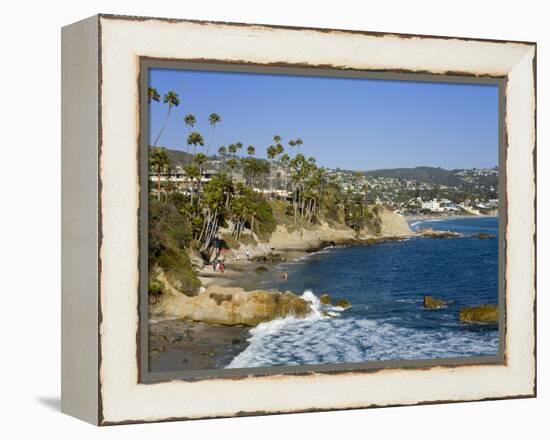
386, 283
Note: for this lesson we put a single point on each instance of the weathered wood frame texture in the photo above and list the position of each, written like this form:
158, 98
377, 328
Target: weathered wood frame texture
101, 194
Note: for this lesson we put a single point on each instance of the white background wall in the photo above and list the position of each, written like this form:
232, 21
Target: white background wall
30, 217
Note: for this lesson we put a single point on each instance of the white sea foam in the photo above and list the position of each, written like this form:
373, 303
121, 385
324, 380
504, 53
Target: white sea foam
313, 254
410, 300
320, 339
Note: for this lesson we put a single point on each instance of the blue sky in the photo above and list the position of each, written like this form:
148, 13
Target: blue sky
357, 124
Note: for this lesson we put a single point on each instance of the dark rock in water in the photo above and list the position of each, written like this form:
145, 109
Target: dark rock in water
485, 313
344, 303
431, 233
483, 236
325, 299
261, 269
433, 303
235, 341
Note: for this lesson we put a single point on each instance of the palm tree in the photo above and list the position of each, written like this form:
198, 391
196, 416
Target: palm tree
222, 151
279, 149
251, 150
213, 119
253, 169
238, 146
299, 142
232, 148
159, 162
200, 159
172, 99
195, 138
192, 172
285, 159
356, 219
271, 153
153, 94
216, 194
291, 144
232, 164
190, 121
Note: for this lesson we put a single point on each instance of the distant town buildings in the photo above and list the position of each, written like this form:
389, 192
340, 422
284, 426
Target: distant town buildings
471, 191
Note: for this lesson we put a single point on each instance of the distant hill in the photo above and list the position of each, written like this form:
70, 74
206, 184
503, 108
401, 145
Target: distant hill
178, 157
433, 175
430, 175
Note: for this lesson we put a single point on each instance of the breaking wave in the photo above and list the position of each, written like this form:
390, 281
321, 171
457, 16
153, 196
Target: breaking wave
327, 335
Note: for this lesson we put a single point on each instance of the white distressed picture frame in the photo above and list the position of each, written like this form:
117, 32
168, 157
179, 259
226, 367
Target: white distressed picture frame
101, 202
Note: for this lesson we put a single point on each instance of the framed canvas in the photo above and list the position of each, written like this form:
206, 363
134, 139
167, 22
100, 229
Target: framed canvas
265, 219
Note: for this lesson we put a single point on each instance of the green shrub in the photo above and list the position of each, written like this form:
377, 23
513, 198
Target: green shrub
169, 234
156, 288
264, 221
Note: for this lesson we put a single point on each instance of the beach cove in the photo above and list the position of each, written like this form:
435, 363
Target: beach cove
382, 309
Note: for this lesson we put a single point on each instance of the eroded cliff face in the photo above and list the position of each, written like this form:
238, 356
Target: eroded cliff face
392, 225
229, 305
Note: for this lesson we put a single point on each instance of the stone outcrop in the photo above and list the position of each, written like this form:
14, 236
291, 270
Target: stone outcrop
485, 313
432, 303
431, 233
344, 303
483, 236
231, 306
325, 299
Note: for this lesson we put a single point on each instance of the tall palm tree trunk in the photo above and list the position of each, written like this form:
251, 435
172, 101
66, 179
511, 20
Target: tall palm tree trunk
163, 125
158, 186
187, 149
211, 139
199, 185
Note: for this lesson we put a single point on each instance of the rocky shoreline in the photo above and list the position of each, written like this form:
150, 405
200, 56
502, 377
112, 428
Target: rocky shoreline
176, 344
209, 329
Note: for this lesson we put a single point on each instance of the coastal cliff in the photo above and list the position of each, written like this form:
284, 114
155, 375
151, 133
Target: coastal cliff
287, 238
222, 299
